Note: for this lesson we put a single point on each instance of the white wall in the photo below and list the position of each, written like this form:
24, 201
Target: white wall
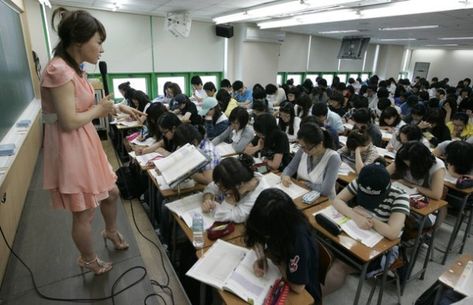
323, 54
389, 61
454, 64
35, 26
293, 53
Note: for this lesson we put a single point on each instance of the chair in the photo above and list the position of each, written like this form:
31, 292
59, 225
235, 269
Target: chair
325, 262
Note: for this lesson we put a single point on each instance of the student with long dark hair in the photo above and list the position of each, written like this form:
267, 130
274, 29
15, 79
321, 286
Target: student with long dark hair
154, 111
167, 124
140, 101
126, 91
316, 163
270, 141
172, 91
239, 133
390, 119
288, 121
405, 134
280, 232
234, 189
434, 127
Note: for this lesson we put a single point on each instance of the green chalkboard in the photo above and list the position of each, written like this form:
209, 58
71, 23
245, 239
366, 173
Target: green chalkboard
16, 87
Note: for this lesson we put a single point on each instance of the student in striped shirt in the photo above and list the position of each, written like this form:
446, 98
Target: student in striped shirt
379, 206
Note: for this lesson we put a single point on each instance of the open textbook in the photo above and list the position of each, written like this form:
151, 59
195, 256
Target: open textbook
386, 153
368, 238
188, 206
181, 164
408, 190
144, 159
225, 149
294, 191
235, 272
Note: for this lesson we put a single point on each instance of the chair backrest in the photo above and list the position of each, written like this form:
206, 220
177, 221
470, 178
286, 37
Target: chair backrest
325, 261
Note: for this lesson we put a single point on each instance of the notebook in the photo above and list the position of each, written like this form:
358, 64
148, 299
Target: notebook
368, 238
294, 191
148, 142
181, 164
144, 159
465, 282
408, 190
235, 272
386, 153
225, 149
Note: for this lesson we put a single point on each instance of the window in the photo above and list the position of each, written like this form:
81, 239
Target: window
402, 75
210, 78
279, 80
328, 78
365, 76
342, 77
296, 77
180, 80
137, 83
353, 75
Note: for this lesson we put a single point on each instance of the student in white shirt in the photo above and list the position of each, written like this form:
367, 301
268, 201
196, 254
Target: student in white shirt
198, 92
288, 121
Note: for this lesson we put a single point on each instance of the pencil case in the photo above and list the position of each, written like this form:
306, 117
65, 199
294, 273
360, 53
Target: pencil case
220, 229
329, 225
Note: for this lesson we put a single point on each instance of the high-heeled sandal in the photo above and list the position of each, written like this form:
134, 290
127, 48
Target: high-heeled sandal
97, 266
116, 238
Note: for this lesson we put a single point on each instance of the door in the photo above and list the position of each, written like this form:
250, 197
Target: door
421, 69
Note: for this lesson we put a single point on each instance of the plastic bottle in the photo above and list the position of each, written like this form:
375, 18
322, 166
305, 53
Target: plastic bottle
197, 230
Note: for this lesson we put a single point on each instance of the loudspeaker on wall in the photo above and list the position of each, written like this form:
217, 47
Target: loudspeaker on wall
224, 30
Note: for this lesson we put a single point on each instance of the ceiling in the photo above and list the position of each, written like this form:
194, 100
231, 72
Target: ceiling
451, 23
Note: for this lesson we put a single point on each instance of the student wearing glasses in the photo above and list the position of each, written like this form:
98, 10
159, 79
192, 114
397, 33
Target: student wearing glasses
239, 133
316, 163
288, 121
167, 124
234, 189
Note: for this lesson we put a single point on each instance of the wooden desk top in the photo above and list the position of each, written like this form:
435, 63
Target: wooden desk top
302, 206
347, 178
229, 298
124, 127
169, 193
452, 186
433, 206
452, 275
359, 250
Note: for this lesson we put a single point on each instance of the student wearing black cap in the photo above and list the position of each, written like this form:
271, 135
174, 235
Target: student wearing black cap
379, 206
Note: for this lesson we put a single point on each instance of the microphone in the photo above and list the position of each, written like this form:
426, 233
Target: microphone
103, 72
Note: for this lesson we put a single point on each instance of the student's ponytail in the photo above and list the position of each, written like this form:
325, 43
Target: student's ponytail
247, 161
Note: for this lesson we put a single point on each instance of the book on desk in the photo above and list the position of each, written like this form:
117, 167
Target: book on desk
235, 272
186, 207
225, 149
294, 191
181, 164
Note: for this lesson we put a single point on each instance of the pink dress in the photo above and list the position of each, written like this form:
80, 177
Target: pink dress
76, 170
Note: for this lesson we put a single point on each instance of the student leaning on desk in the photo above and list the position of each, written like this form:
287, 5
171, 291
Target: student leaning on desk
379, 206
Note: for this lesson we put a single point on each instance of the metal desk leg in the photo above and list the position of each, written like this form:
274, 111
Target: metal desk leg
429, 252
152, 201
415, 253
383, 281
364, 270
456, 228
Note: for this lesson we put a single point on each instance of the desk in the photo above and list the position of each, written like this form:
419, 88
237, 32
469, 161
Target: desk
120, 129
450, 277
363, 254
347, 179
229, 298
463, 195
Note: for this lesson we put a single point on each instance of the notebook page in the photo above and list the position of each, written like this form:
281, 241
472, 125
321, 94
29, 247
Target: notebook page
187, 206
368, 238
294, 191
409, 190
385, 152
144, 159
225, 149
331, 213
148, 142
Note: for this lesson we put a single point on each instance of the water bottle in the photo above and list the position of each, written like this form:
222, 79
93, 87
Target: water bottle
197, 230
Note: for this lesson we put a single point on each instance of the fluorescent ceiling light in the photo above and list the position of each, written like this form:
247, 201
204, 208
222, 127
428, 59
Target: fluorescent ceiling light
401, 8
282, 9
442, 45
455, 38
339, 32
420, 27
395, 39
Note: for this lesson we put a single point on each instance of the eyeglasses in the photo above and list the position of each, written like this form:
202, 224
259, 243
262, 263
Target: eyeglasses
306, 147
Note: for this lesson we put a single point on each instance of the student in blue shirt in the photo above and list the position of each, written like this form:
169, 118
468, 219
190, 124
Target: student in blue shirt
278, 231
215, 121
327, 117
242, 94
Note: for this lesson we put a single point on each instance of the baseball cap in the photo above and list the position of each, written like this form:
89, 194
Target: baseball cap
181, 98
207, 104
374, 183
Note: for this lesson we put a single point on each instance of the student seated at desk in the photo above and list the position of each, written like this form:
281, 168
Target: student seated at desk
234, 189
210, 89
327, 117
241, 94
288, 121
167, 124
172, 91
304, 105
278, 231
390, 120
270, 141
226, 102
239, 133
126, 91
259, 103
140, 102
316, 163
215, 121
434, 127
358, 151
379, 206
459, 126
405, 134
362, 119
154, 111
187, 109
198, 92
187, 133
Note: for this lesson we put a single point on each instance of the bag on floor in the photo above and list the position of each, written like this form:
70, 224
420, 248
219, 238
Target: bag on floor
131, 181
428, 297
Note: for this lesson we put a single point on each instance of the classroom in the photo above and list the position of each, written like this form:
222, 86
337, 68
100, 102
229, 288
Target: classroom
236, 152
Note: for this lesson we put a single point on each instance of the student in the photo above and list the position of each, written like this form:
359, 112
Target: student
210, 89
274, 94
187, 110
140, 102
359, 150
188, 134
167, 124
241, 94
459, 127
226, 85
304, 105
198, 92
390, 120
215, 120
288, 121
239, 133
406, 108
378, 206
316, 163
405, 134
226, 102
415, 166
126, 91
172, 91
259, 103
336, 103
154, 111
292, 94
270, 141
277, 230
362, 120
417, 115
327, 117
234, 189
434, 127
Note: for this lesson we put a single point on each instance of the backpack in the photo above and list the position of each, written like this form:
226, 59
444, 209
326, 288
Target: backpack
131, 181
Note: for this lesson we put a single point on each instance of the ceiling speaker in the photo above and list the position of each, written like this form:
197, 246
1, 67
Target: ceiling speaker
224, 30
